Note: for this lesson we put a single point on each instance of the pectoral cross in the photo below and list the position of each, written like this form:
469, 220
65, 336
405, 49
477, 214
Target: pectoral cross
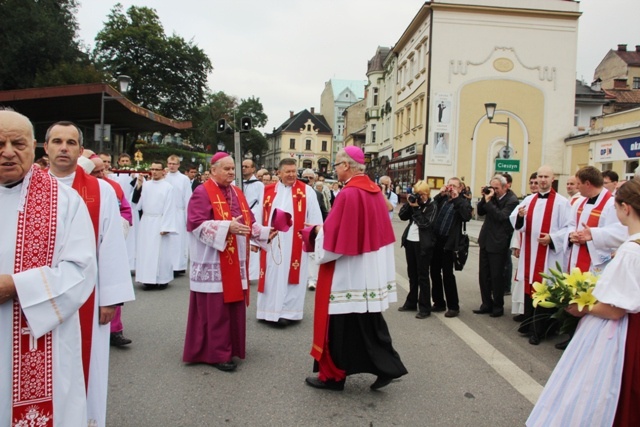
220, 203
33, 341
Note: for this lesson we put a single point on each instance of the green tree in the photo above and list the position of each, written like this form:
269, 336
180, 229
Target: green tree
168, 74
38, 45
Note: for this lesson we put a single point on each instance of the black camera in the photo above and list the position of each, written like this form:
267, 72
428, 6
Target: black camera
486, 190
411, 198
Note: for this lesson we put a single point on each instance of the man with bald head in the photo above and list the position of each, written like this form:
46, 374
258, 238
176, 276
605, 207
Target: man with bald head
572, 189
47, 272
543, 220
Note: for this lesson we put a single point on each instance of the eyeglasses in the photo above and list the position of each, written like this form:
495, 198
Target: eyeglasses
335, 165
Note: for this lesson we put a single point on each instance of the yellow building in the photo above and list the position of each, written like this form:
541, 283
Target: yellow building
454, 57
613, 143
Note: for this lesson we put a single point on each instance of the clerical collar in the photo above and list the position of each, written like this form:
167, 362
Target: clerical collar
544, 196
592, 200
13, 184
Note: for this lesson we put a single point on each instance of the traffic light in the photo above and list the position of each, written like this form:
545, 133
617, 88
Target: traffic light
222, 125
245, 124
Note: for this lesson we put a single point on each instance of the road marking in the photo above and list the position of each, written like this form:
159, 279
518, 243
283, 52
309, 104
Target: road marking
519, 379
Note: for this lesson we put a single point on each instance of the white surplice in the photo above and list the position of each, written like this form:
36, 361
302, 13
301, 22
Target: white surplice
113, 286
179, 239
281, 299
153, 251
254, 193
557, 232
70, 280
124, 179
606, 237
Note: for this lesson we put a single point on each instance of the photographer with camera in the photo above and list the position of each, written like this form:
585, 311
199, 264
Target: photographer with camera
418, 240
454, 209
496, 205
390, 197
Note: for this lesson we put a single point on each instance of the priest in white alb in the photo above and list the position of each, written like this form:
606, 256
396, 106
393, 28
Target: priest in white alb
155, 198
47, 272
63, 145
179, 239
594, 231
283, 270
253, 190
543, 220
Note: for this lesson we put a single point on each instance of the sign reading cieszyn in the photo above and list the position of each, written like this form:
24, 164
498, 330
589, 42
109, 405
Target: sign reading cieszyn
507, 165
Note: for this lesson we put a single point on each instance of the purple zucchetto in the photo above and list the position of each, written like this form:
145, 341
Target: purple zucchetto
219, 155
355, 153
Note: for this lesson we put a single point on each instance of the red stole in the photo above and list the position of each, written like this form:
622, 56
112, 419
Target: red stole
541, 255
32, 395
298, 192
584, 259
229, 260
88, 188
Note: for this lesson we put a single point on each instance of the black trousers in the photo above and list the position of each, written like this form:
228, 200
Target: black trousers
443, 279
418, 272
491, 278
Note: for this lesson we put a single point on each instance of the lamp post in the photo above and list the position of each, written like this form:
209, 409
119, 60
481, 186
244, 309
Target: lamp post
123, 85
490, 108
221, 146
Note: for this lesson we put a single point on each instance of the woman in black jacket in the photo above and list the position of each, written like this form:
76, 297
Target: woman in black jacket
418, 241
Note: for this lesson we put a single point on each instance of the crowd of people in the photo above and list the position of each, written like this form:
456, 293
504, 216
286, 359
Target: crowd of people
76, 228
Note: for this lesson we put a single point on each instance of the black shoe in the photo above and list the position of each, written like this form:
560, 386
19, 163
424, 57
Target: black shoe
283, 322
423, 315
482, 310
452, 313
118, 340
519, 318
405, 308
534, 340
163, 286
438, 308
229, 366
325, 385
497, 313
149, 287
562, 345
380, 382
177, 273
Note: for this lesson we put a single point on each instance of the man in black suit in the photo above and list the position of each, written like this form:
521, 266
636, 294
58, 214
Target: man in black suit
496, 204
192, 174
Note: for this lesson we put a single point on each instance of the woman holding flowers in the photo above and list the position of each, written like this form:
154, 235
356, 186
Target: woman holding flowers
597, 380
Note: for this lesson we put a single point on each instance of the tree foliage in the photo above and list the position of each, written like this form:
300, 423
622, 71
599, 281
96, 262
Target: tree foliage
219, 105
168, 74
38, 46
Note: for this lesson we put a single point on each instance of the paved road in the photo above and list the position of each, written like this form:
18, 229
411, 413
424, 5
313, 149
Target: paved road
468, 371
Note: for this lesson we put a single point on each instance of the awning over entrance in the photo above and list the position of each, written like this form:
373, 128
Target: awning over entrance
81, 104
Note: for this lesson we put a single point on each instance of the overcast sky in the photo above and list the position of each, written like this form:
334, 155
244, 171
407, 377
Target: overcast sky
269, 49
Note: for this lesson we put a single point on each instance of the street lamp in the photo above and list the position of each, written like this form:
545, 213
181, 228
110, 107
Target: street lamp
490, 107
221, 146
123, 85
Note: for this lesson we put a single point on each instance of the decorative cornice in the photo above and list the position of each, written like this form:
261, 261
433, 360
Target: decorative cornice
545, 73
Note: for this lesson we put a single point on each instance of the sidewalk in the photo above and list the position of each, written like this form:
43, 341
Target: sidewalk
473, 230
